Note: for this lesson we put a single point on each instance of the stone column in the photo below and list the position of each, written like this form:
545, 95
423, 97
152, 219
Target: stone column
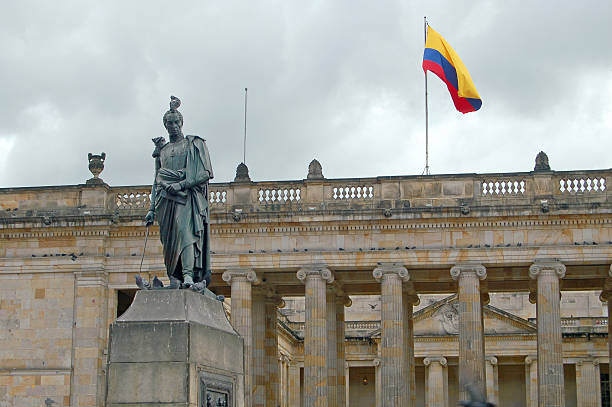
347, 388
272, 371
332, 347
409, 300
341, 302
471, 335
606, 296
491, 373
378, 382
395, 389
89, 333
316, 342
551, 392
241, 281
435, 386
531, 380
283, 381
258, 392
293, 396
588, 383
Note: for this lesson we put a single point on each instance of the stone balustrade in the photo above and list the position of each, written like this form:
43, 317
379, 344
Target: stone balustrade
549, 190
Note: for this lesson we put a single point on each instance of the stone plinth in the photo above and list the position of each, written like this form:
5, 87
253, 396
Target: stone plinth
170, 348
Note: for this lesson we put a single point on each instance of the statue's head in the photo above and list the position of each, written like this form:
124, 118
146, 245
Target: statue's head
173, 119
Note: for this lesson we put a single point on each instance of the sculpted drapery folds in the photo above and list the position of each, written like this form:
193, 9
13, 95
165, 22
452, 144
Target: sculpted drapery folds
179, 201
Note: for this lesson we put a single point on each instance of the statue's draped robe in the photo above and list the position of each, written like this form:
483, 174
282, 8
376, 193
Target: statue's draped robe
184, 219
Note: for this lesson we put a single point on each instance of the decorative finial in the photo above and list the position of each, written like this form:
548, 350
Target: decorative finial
541, 162
96, 165
315, 171
242, 173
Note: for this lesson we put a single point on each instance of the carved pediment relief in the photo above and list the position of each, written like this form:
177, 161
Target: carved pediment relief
442, 318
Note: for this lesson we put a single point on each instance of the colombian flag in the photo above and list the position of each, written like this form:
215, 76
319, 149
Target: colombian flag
441, 59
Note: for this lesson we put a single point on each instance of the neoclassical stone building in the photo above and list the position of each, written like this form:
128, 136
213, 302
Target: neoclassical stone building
386, 291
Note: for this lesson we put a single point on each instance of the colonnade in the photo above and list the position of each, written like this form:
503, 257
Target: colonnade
254, 317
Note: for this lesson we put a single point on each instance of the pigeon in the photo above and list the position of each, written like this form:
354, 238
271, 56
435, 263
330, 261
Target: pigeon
477, 399
157, 283
142, 284
175, 283
49, 402
199, 287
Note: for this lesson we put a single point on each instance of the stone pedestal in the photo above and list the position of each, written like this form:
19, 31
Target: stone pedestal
551, 391
174, 348
471, 330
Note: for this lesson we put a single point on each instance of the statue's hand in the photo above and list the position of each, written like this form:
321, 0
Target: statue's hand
149, 218
174, 188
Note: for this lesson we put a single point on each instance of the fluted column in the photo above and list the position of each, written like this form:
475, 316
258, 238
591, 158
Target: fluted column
272, 371
241, 281
588, 383
409, 300
435, 386
395, 389
606, 296
471, 335
551, 392
378, 382
315, 278
531, 380
258, 392
491, 373
332, 347
341, 302
294, 388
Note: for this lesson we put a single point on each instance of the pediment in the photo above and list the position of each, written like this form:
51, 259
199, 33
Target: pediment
442, 318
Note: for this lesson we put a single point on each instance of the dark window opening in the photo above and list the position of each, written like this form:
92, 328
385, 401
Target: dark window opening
605, 389
124, 300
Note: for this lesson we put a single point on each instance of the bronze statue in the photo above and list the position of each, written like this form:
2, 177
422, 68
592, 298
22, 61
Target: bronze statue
179, 201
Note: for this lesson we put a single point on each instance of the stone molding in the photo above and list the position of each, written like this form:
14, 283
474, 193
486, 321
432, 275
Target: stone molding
376, 362
540, 267
315, 271
385, 269
240, 274
435, 359
97, 277
461, 268
529, 359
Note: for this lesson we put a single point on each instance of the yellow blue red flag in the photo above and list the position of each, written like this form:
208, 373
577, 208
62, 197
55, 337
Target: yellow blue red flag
441, 59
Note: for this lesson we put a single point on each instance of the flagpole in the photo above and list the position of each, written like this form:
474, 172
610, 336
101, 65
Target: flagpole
245, 127
426, 171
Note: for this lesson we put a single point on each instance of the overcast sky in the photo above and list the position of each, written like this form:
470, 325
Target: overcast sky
340, 81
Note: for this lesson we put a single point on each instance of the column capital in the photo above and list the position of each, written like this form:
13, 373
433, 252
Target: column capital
592, 360
243, 274
529, 359
491, 359
435, 359
413, 299
376, 362
543, 266
345, 300
391, 269
315, 271
459, 269
274, 299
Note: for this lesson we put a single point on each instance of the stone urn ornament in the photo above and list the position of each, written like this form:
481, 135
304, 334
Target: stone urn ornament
96, 165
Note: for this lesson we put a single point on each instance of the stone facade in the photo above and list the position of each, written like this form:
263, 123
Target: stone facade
69, 254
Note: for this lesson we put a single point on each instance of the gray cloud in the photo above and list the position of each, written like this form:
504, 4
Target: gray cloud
339, 81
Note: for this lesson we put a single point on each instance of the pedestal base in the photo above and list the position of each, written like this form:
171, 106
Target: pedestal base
174, 348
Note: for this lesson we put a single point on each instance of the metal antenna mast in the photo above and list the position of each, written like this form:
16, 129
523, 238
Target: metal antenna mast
245, 126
